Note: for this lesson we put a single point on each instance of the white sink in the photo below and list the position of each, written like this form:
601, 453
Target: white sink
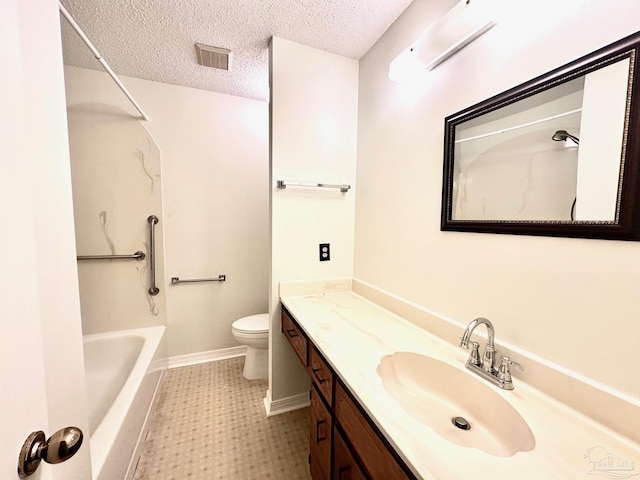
435, 392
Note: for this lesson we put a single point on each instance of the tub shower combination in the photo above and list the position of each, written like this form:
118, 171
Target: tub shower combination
123, 368
123, 372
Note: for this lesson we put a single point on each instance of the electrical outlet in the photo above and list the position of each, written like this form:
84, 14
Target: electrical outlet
325, 253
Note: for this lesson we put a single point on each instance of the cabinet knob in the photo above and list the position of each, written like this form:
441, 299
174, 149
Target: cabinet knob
319, 437
292, 333
342, 470
315, 374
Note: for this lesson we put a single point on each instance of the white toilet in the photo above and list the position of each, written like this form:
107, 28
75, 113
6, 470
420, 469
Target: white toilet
253, 331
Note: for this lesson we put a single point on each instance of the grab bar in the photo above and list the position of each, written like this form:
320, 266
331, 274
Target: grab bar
153, 290
135, 256
285, 184
176, 280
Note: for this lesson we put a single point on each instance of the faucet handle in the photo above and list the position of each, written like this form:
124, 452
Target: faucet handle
474, 358
489, 359
504, 372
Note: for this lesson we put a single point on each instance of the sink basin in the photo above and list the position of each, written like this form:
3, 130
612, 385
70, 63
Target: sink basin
435, 393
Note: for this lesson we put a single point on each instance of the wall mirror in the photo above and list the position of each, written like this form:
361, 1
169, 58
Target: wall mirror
558, 155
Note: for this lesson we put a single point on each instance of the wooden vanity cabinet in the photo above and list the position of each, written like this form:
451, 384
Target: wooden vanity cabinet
322, 379
320, 438
321, 375
321, 396
375, 455
345, 466
296, 336
344, 442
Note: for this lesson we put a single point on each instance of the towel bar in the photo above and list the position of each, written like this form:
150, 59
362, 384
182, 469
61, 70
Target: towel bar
176, 280
284, 184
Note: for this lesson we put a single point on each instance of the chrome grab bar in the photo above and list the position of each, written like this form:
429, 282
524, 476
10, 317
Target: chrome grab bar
135, 256
153, 290
284, 184
176, 280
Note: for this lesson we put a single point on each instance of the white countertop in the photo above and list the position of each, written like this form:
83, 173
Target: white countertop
353, 334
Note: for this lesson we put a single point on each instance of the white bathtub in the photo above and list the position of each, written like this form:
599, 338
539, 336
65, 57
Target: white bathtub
123, 372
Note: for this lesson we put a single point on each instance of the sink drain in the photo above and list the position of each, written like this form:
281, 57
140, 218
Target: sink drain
461, 423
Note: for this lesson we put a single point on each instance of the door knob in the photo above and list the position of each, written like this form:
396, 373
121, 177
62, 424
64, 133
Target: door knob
61, 446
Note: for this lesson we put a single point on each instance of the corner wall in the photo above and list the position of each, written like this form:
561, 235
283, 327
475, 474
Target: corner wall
573, 302
313, 139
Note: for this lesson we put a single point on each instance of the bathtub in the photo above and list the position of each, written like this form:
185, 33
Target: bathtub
123, 372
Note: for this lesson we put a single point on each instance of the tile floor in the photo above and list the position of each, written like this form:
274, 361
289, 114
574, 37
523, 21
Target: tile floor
210, 424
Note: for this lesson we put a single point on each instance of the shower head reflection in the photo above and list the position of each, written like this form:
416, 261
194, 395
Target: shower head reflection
562, 135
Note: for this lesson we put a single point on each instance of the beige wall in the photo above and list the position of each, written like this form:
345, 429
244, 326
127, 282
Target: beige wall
573, 302
214, 174
313, 139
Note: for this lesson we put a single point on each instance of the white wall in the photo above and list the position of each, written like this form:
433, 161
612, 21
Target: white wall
313, 139
214, 162
41, 360
574, 302
601, 130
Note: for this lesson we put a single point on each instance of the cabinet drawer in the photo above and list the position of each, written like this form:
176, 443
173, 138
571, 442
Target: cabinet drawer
322, 375
320, 439
345, 467
297, 339
375, 457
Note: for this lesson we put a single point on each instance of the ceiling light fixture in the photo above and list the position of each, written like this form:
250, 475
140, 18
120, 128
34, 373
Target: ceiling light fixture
456, 29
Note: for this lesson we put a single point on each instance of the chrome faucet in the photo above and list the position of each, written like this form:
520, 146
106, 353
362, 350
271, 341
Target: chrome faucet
485, 367
488, 358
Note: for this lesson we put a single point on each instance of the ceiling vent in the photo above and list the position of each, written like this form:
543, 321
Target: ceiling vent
213, 57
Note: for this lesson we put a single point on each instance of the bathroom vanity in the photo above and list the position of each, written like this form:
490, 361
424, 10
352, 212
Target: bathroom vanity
356, 353
340, 429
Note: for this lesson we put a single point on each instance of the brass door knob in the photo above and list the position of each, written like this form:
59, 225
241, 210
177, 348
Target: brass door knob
61, 446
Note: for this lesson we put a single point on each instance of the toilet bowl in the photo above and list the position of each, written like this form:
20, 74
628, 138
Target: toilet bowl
253, 331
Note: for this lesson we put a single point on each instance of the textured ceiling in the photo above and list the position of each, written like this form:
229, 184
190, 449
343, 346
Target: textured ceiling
155, 39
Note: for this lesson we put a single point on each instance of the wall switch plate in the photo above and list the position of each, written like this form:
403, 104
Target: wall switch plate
325, 254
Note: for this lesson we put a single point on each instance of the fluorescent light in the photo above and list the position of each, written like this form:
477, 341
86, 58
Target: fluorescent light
456, 29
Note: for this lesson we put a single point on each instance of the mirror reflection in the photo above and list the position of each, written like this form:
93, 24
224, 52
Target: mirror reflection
556, 155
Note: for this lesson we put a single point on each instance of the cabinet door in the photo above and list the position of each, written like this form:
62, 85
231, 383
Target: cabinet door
345, 466
320, 451
375, 455
321, 375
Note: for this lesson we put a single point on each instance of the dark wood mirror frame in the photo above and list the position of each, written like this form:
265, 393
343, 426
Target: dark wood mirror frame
627, 224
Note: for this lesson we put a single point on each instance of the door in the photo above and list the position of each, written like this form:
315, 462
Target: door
41, 366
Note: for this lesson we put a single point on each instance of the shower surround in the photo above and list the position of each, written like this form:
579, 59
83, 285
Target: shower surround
115, 166
214, 217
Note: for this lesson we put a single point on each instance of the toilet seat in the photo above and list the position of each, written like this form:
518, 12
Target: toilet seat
252, 325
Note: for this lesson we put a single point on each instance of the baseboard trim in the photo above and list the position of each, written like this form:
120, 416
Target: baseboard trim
284, 405
205, 357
